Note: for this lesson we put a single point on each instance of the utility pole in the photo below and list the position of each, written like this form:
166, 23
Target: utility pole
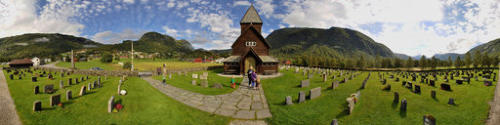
132, 66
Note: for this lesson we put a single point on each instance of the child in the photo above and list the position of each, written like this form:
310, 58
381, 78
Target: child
258, 83
233, 82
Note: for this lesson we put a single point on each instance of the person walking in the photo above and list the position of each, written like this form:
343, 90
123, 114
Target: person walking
249, 75
254, 79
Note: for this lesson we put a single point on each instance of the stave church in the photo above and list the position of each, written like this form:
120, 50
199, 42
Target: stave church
250, 49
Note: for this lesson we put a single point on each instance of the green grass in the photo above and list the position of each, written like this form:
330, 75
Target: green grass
184, 82
151, 65
142, 105
375, 106
90, 64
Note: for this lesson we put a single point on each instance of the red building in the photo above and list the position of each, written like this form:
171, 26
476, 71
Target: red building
250, 49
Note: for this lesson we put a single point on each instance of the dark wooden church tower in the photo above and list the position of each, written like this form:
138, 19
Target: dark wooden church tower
250, 49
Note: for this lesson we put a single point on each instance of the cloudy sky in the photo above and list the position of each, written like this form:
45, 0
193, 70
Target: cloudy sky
411, 27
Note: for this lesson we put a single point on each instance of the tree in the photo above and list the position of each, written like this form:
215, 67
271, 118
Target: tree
486, 60
127, 65
477, 58
468, 60
450, 62
458, 62
422, 62
433, 62
107, 58
361, 62
409, 63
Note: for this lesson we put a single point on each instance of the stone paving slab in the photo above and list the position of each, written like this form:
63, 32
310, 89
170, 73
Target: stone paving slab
8, 113
494, 115
248, 122
243, 103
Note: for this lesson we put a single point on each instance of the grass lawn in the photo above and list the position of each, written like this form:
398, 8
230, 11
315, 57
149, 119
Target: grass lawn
151, 65
142, 105
375, 106
184, 82
91, 64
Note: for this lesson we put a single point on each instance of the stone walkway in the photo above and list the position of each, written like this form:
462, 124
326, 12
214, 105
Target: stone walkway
242, 103
494, 115
8, 114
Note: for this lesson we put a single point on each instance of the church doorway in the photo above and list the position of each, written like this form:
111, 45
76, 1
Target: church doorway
250, 62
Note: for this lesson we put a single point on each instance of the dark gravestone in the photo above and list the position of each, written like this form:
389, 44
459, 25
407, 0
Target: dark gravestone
488, 83
458, 81
403, 105
55, 99
11, 76
335, 84
451, 101
288, 100
302, 96
49, 89
70, 81
69, 95
304, 83
34, 79
95, 85
429, 120
37, 106
334, 122
89, 86
432, 83
446, 87
417, 89
403, 83
20, 77
409, 85
76, 81
396, 97
433, 94
36, 89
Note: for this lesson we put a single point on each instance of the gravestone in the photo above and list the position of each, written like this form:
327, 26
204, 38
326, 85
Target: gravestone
55, 99
217, 85
69, 95
334, 122
49, 89
302, 96
429, 120
95, 84
409, 85
111, 104
433, 94
37, 106
288, 100
11, 76
396, 97
304, 83
194, 76
204, 83
82, 90
205, 73
193, 82
451, 101
387, 88
70, 81
61, 84
76, 81
458, 81
36, 89
20, 77
119, 87
33, 79
488, 83
432, 83
89, 87
335, 84
417, 89
403, 105
314, 93
446, 87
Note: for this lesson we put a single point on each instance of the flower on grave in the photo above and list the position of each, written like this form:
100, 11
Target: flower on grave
60, 105
118, 107
123, 92
114, 110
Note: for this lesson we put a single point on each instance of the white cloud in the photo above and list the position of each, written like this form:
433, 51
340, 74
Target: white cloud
109, 37
170, 4
266, 8
182, 4
20, 16
241, 3
410, 27
129, 1
170, 31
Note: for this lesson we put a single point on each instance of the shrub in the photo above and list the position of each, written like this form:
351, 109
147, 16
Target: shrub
107, 58
127, 65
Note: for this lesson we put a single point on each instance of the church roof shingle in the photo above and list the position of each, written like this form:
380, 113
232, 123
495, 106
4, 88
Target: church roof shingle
251, 16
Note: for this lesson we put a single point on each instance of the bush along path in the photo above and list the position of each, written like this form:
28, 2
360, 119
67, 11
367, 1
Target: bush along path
8, 114
243, 103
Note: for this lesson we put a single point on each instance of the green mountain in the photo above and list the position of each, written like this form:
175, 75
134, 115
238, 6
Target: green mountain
401, 56
153, 42
492, 48
333, 42
41, 45
446, 55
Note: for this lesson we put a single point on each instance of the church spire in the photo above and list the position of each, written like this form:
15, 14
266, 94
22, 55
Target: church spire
251, 16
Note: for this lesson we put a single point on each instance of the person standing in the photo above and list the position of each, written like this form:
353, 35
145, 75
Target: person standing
249, 74
254, 79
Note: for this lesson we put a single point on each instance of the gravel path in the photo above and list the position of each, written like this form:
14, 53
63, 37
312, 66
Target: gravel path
8, 114
243, 103
494, 116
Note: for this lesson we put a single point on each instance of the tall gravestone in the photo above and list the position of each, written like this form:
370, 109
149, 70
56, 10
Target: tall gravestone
61, 84
37, 106
433, 94
82, 90
70, 81
111, 104
69, 95
36, 90
302, 96
403, 105
55, 99
396, 97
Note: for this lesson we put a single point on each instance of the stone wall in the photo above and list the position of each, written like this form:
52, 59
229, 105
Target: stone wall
91, 72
